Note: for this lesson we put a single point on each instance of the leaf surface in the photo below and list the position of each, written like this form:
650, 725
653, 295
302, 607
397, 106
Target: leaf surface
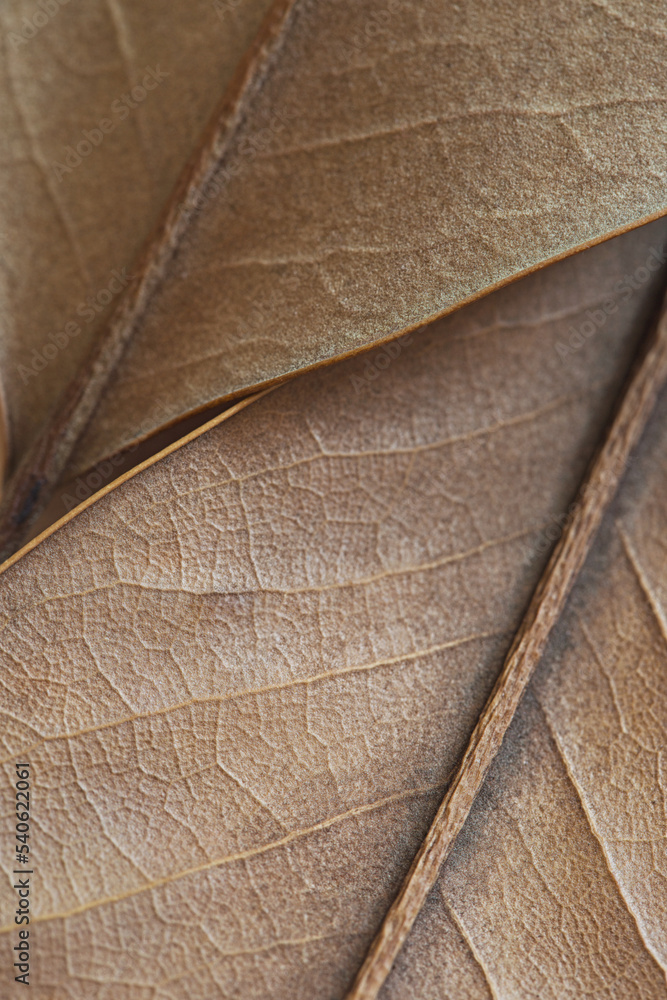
244, 676
394, 162
530, 891
67, 226
373, 166
558, 882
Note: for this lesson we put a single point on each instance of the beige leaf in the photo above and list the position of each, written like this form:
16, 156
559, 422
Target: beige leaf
374, 165
244, 676
530, 891
558, 882
396, 161
78, 203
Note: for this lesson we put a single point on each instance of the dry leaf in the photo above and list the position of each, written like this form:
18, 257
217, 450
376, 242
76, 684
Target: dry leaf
243, 677
78, 203
395, 161
557, 886
374, 165
249, 679
528, 905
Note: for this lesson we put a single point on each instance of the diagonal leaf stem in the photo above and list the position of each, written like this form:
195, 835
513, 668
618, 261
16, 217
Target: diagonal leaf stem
599, 486
38, 472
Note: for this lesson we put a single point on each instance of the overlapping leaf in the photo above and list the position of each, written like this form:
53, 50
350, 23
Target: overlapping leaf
244, 676
393, 161
78, 202
557, 886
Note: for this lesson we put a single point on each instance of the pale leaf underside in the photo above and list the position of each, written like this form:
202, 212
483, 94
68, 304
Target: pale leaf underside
578, 532
569, 833
383, 164
382, 177
64, 232
244, 677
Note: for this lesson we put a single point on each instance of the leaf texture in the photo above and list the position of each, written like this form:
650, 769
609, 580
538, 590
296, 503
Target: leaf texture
530, 889
558, 882
393, 162
69, 228
634, 408
245, 675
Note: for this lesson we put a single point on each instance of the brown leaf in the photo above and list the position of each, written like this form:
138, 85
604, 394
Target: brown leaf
546, 607
558, 883
376, 166
73, 221
530, 892
397, 161
244, 676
